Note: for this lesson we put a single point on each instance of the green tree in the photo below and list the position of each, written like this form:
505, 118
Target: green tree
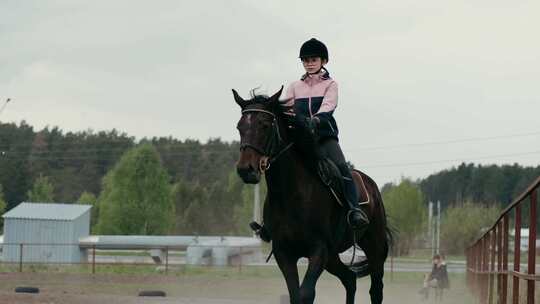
192, 208
136, 196
243, 211
243, 196
463, 223
88, 198
482, 184
42, 191
404, 205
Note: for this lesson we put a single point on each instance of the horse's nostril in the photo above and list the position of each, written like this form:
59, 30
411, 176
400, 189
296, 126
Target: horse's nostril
248, 175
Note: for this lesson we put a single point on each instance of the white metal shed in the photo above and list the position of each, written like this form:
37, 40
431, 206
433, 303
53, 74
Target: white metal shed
48, 232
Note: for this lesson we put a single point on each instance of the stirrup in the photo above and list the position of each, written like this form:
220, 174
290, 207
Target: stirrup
255, 226
260, 231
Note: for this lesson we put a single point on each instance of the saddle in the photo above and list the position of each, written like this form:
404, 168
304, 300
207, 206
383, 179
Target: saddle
331, 177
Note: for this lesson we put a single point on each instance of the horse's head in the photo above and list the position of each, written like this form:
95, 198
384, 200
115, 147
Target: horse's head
258, 130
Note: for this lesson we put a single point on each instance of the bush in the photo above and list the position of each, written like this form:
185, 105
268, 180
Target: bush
463, 223
406, 213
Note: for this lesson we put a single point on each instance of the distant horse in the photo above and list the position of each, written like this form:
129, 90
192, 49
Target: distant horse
300, 212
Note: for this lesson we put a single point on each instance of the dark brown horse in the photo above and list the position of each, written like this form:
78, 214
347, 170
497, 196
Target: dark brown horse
300, 212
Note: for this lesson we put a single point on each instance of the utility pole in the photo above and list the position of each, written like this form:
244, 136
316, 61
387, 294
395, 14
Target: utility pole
438, 226
431, 231
257, 203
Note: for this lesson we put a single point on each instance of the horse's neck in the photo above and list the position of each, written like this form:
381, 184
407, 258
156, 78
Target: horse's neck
283, 177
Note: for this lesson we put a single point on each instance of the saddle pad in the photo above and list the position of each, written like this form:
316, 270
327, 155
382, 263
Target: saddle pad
363, 195
331, 177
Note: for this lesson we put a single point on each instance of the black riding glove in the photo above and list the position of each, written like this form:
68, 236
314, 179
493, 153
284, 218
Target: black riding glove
312, 125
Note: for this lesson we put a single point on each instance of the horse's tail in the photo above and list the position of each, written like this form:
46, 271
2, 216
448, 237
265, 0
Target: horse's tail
388, 231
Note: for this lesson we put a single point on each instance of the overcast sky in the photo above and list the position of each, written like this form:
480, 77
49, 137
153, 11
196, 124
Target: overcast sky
459, 77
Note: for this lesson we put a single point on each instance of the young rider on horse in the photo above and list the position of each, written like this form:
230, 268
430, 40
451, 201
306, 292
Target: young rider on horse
315, 97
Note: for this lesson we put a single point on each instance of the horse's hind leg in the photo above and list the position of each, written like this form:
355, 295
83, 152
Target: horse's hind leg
377, 285
288, 267
376, 253
344, 274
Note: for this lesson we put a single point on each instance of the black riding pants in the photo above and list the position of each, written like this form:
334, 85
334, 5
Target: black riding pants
329, 147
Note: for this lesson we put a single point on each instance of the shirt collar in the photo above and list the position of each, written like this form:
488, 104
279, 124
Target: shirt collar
322, 75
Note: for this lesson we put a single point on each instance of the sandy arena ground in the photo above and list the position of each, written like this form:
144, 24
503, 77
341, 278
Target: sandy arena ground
226, 287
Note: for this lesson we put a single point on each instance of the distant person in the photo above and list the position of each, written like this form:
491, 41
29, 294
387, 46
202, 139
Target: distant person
437, 279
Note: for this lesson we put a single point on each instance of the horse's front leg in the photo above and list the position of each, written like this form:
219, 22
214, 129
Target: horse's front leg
288, 267
345, 275
317, 261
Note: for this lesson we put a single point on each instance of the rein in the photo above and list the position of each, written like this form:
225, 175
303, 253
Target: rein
270, 145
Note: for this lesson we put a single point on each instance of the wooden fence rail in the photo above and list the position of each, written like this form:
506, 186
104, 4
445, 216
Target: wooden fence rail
487, 258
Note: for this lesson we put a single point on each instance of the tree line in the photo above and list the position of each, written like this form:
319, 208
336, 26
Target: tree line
163, 185
50, 165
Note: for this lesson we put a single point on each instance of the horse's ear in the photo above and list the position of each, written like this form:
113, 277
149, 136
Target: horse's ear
239, 100
274, 99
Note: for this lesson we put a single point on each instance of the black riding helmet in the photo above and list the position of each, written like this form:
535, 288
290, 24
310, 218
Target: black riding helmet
313, 48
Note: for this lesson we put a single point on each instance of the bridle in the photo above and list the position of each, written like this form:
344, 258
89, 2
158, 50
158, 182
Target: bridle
273, 141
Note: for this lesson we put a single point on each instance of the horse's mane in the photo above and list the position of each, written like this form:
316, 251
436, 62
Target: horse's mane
256, 97
259, 98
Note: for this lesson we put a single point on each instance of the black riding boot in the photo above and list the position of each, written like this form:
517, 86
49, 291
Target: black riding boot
261, 231
356, 217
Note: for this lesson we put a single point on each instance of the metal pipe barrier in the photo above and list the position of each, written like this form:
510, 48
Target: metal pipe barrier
487, 258
27, 255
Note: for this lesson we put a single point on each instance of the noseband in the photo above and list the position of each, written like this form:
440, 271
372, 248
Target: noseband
272, 141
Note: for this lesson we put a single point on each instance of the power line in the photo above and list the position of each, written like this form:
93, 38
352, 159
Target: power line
182, 145
202, 148
184, 153
449, 160
97, 157
127, 141
435, 143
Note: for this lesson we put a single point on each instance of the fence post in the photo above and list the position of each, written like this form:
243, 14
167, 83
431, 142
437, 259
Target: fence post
240, 261
481, 270
166, 260
493, 243
21, 247
392, 266
93, 259
517, 253
532, 247
472, 267
485, 281
504, 295
478, 268
467, 275
480, 246
499, 260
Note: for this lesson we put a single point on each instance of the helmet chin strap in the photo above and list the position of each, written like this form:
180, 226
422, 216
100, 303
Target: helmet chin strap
322, 67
